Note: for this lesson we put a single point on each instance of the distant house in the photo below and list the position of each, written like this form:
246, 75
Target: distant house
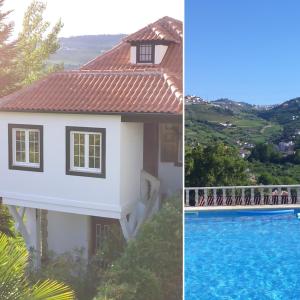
244, 153
286, 147
86, 149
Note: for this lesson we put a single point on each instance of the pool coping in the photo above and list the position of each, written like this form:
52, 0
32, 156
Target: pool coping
241, 207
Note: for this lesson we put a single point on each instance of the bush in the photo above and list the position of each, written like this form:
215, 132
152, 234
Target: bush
151, 265
73, 269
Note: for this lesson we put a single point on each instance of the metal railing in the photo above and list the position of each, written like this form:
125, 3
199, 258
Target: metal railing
256, 195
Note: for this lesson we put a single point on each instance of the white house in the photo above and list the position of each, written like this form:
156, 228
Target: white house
85, 149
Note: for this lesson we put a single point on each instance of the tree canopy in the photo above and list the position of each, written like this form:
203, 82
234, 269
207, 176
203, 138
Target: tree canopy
25, 60
7, 53
214, 165
36, 43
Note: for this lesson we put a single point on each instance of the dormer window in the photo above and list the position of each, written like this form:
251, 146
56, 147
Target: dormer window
145, 53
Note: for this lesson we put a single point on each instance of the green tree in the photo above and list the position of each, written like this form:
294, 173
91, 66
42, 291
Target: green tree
215, 165
14, 284
36, 43
266, 179
297, 157
151, 266
7, 53
265, 153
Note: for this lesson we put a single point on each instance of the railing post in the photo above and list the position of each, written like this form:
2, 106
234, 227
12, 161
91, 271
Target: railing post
197, 197
252, 196
289, 195
243, 197
233, 196
223, 196
262, 196
298, 196
270, 197
279, 195
187, 197
215, 197
205, 197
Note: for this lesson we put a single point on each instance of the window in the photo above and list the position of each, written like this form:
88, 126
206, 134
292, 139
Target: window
171, 143
102, 233
103, 229
85, 151
145, 53
25, 147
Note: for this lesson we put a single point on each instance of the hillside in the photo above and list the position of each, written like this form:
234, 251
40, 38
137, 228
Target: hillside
288, 115
244, 126
230, 121
78, 50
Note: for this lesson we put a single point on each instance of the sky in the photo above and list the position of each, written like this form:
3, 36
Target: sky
99, 16
243, 50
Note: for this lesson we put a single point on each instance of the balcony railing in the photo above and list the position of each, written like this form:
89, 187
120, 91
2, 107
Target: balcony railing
256, 195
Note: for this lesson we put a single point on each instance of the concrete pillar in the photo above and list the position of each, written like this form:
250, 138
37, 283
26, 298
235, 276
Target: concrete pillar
33, 225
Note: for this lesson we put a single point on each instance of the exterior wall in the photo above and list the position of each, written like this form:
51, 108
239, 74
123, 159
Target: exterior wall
67, 232
170, 176
160, 51
53, 189
131, 163
133, 54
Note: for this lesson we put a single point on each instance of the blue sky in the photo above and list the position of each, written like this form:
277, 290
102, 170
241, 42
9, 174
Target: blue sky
247, 50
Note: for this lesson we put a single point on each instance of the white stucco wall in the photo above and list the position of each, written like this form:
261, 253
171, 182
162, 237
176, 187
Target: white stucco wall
67, 232
160, 51
53, 189
131, 163
170, 176
133, 54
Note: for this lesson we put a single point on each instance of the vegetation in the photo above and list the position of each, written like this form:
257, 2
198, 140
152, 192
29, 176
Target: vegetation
214, 165
248, 127
203, 123
25, 60
7, 53
35, 44
83, 275
151, 266
6, 222
14, 284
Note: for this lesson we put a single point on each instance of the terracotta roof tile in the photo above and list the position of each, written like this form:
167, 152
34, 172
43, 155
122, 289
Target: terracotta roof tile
110, 83
165, 29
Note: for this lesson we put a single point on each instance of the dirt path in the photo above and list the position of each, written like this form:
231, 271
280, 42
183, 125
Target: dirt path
264, 128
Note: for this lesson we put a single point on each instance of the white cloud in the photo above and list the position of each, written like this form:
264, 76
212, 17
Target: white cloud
99, 16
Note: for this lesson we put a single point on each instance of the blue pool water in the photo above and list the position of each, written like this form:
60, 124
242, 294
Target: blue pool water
242, 256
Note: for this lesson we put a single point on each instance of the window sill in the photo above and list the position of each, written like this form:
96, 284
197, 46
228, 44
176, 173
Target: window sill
26, 168
85, 174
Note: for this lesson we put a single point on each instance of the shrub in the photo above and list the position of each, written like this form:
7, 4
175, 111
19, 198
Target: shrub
151, 265
73, 269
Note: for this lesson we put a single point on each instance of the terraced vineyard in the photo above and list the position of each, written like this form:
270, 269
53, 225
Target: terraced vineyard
203, 124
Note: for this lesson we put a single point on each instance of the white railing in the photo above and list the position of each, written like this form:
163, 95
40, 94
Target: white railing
256, 195
144, 208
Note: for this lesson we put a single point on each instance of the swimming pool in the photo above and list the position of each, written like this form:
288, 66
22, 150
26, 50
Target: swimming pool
242, 255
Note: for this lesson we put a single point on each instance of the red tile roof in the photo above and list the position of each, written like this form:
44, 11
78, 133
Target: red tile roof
165, 29
110, 83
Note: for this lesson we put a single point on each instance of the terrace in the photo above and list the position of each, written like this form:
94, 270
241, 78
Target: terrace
242, 197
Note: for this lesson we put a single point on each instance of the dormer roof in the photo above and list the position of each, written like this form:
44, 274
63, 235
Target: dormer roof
165, 29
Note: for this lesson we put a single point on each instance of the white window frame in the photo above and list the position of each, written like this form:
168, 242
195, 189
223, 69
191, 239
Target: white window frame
86, 168
27, 163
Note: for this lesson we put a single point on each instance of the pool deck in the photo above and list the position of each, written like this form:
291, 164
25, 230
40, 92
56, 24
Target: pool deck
241, 207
